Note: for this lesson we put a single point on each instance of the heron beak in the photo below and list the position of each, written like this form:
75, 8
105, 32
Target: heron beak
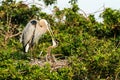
51, 34
50, 31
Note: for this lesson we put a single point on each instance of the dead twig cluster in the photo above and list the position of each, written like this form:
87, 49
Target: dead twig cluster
54, 65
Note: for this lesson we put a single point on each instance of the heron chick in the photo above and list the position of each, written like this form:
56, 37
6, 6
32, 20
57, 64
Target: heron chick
49, 56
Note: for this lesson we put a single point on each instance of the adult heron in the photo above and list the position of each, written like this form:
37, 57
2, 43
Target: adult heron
33, 31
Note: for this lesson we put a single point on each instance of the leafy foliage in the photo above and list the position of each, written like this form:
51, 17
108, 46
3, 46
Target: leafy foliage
49, 2
92, 47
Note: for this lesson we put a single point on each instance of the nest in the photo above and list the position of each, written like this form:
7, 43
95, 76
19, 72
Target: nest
54, 65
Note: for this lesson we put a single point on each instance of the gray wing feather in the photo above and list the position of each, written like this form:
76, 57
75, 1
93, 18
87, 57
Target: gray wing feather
27, 33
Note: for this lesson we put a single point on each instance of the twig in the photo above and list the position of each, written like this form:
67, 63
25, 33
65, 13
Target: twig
116, 76
34, 3
7, 36
15, 35
100, 8
40, 53
84, 14
117, 45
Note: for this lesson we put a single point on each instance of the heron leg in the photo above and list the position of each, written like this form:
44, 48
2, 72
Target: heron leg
31, 54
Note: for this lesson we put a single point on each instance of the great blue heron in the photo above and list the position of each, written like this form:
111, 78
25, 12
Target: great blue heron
33, 31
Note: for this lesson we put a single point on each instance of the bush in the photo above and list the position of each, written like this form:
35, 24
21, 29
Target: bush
91, 47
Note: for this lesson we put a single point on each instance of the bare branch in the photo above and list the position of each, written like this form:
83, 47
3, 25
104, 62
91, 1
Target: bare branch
84, 14
15, 35
99, 10
7, 36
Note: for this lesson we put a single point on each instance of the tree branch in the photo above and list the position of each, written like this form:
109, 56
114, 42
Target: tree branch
15, 35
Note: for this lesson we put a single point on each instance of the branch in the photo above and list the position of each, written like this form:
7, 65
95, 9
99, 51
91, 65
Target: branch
100, 9
32, 3
7, 36
84, 14
15, 35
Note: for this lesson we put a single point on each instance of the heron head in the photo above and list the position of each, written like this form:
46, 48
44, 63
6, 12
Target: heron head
46, 26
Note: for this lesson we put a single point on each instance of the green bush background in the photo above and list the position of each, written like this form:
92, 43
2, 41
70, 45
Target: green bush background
91, 47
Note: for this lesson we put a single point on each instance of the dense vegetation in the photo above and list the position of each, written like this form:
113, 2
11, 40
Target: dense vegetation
92, 48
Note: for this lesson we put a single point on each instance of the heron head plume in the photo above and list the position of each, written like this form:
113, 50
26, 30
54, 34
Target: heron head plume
33, 22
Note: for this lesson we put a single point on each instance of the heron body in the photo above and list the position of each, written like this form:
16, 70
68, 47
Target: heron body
32, 32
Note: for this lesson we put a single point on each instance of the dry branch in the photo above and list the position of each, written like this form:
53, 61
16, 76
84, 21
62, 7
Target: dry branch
15, 35
7, 36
